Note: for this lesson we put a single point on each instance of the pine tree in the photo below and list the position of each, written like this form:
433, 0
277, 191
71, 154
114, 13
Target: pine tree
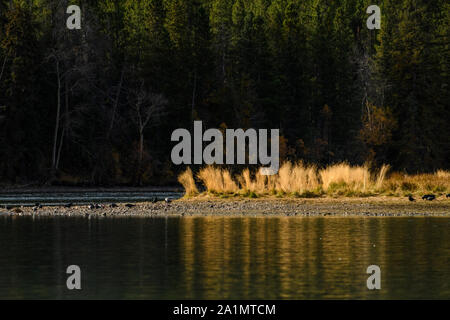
409, 57
21, 84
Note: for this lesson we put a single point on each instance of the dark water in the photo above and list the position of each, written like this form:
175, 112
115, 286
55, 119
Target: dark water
225, 257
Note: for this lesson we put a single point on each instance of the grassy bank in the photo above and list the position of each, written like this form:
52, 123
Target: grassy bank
302, 181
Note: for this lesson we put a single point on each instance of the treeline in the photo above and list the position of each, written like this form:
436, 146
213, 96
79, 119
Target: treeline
98, 105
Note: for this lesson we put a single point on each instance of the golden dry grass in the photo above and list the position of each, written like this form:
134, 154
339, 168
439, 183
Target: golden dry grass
211, 178
443, 174
187, 181
229, 185
256, 184
381, 176
302, 180
403, 184
296, 178
357, 178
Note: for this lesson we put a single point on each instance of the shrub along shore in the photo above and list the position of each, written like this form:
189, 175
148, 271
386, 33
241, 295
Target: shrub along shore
308, 181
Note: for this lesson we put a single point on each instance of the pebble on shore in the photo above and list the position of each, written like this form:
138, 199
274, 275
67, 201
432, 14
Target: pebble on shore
285, 207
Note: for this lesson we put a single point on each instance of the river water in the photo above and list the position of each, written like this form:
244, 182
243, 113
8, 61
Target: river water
59, 198
225, 257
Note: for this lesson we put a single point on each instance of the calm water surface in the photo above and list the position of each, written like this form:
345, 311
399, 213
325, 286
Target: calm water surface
58, 198
225, 257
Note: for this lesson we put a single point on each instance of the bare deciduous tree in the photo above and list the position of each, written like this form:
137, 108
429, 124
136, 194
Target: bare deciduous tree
70, 55
146, 107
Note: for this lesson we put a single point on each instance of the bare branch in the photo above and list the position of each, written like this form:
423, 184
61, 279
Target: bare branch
3, 66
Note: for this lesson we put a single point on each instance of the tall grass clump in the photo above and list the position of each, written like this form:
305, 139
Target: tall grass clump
212, 179
297, 178
249, 184
217, 180
345, 177
187, 181
381, 177
229, 186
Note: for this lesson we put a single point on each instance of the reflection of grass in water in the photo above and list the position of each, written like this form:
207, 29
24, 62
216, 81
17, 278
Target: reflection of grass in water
303, 181
327, 258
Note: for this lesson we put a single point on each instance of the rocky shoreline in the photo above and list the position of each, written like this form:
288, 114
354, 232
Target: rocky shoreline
376, 206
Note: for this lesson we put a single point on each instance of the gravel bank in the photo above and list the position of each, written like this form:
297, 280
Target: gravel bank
377, 206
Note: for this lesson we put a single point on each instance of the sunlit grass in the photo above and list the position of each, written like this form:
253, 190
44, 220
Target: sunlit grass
403, 184
307, 181
187, 181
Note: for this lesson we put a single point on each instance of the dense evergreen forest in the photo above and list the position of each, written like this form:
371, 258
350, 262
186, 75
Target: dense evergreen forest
98, 105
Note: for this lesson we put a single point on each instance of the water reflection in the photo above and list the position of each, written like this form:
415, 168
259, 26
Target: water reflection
225, 257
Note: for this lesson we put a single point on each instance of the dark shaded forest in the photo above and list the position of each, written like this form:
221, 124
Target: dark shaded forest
97, 106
